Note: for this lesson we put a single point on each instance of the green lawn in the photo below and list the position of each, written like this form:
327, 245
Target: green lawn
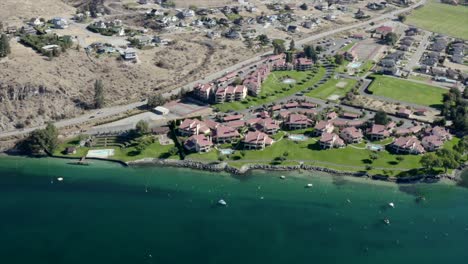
441, 18
273, 89
407, 91
154, 150
330, 88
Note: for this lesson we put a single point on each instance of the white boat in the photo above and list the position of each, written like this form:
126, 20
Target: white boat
59, 179
386, 221
392, 205
222, 202
282, 177
309, 185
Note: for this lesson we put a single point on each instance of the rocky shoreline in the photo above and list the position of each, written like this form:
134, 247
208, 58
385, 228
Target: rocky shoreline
245, 169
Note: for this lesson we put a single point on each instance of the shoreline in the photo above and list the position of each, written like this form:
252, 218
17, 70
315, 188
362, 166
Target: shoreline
248, 168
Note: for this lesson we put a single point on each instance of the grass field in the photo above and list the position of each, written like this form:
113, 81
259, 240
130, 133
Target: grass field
273, 89
330, 88
441, 18
407, 91
154, 150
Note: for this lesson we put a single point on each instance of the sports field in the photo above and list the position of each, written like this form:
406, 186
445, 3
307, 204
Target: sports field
441, 18
407, 91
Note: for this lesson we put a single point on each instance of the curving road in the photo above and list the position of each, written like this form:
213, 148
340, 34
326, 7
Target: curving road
110, 111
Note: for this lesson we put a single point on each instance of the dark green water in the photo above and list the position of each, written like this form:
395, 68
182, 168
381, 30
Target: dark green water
105, 213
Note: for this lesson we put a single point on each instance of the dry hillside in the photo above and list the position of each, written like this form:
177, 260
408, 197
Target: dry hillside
14, 12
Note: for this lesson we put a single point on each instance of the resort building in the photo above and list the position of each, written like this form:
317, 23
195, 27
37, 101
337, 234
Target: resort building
230, 118
254, 81
441, 132
267, 125
231, 93
203, 91
191, 127
331, 140
198, 143
298, 121
225, 134
303, 64
226, 79
378, 132
351, 135
323, 127
409, 145
404, 112
432, 143
257, 140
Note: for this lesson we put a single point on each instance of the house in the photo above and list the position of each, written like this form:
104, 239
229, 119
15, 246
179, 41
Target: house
198, 143
35, 22
432, 143
60, 23
441, 132
226, 134
257, 140
307, 105
292, 29
237, 124
404, 112
203, 91
28, 30
332, 115
408, 145
267, 125
254, 81
70, 150
331, 17
348, 115
191, 127
303, 64
378, 132
323, 127
382, 31
161, 110
291, 105
232, 34
130, 54
231, 93
351, 135
298, 121
230, 118
420, 111
331, 140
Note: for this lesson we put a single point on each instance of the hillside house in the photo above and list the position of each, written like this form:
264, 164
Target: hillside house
432, 143
323, 127
378, 132
198, 143
257, 140
231, 93
191, 127
226, 134
204, 91
331, 140
408, 145
351, 135
298, 121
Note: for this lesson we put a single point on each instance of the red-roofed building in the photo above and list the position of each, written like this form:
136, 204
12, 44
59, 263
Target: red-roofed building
351, 135
203, 91
382, 31
410, 145
230, 118
348, 115
378, 132
298, 121
404, 112
224, 134
441, 132
291, 105
191, 127
212, 125
231, 93
257, 140
432, 143
332, 115
254, 81
331, 140
236, 124
198, 143
267, 125
303, 64
323, 127
307, 105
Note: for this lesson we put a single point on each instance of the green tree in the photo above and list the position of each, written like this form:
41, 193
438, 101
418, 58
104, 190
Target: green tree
462, 146
292, 45
173, 151
448, 158
339, 59
98, 94
278, 46
310, 52
264, 40
390, 39
400, 158
42, 140
381, 118
465, 93
142, 127
156, 100
429, 161
4, 46
401, 18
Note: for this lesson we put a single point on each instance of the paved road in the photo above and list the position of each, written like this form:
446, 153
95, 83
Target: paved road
414, 61
106, 112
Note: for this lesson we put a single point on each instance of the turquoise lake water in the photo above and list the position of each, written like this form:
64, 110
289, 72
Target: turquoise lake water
105, 213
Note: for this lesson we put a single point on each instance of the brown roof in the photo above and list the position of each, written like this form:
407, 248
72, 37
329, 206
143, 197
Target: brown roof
201, 140
352, 132
232, 118
409, 143
226, 132
321, 125
379, 130
299, 119
236, 123
257, 137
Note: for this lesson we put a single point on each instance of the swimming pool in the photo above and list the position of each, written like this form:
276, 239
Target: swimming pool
355, 65
226, 151
100, 153
375, 147
297, 137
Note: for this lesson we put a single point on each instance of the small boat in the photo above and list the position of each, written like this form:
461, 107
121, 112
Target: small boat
386, 221
392, 205
309, 185
282, 177
59, 179
420, 199
222, 202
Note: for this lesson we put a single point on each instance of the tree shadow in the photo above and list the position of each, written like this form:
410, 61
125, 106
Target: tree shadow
367, 161
133, 153
392, 162
164, 155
